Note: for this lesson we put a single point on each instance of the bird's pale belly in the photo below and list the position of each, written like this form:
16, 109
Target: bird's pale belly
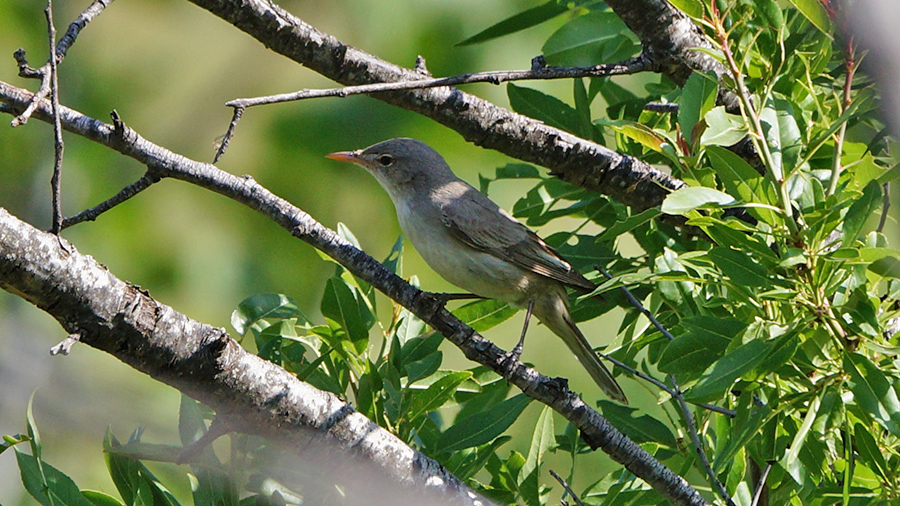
477, 272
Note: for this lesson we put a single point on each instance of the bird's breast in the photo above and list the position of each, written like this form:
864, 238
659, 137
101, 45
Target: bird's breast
470, 269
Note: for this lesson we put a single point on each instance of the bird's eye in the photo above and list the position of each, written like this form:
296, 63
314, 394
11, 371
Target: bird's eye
385, 160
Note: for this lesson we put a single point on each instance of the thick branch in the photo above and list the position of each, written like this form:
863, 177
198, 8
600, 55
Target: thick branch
595, 429
667, 37
579, 161
257, 396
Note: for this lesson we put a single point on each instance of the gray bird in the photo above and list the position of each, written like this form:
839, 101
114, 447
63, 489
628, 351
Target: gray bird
467, 239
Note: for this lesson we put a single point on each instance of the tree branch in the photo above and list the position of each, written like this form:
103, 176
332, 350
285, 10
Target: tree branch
571, 158
203, 362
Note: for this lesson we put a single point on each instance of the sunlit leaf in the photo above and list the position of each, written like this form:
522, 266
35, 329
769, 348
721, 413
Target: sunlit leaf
692, 197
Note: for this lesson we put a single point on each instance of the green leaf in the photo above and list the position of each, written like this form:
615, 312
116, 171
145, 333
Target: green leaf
770, 12
148, 451
861, 210
638, 132
722, 129
393, 262
740, 267
887, 267
698, 97
424, 367
101, 499
873, 391
815, 12
262, 306
123, 470
639, 428
782, 135
482, 427
339, 305
693, 8
628, 224
48, 485
583, 108
731, 232
746, 426
437, 394
719, 377
869, 452
518, 22
692, 197
798, 443
706, 340
464, 464
484, 314
11, 440
540, 106
34, 437
593, 38
420, 347
743, 182
543, 436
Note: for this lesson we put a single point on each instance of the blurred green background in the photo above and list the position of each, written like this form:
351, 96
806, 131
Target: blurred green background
168, 67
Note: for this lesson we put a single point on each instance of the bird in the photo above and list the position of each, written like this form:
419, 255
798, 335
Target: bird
474, 244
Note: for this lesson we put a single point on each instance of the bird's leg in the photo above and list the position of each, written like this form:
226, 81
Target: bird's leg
521, 344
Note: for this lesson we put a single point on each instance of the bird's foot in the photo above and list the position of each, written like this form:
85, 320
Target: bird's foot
444, 298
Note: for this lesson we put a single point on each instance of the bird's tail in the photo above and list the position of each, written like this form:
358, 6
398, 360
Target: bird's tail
560, 322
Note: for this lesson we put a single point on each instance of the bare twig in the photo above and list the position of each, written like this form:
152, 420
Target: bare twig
65, 346
59, 147
88, 15
662, 386
661, 107
850, 65
566, 486
126, 193
634, 65
60, 49
538, 72
226, 139
885, 206
760, 487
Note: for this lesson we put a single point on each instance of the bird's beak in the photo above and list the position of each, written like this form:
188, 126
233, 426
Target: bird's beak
346, 156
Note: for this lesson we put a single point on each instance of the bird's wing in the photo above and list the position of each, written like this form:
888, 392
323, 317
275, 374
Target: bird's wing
478, 222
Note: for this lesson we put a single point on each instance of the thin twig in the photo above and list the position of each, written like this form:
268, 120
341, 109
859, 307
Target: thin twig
632, 66
65, 346
226, 139
75, 27
60, 49
126, 193
701, 453
58, 145
539, 71
885, 206
566, 486
665, 332
773, 172
640, 307
676, 394
850, 66
662, 386
661, 107
762, 483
